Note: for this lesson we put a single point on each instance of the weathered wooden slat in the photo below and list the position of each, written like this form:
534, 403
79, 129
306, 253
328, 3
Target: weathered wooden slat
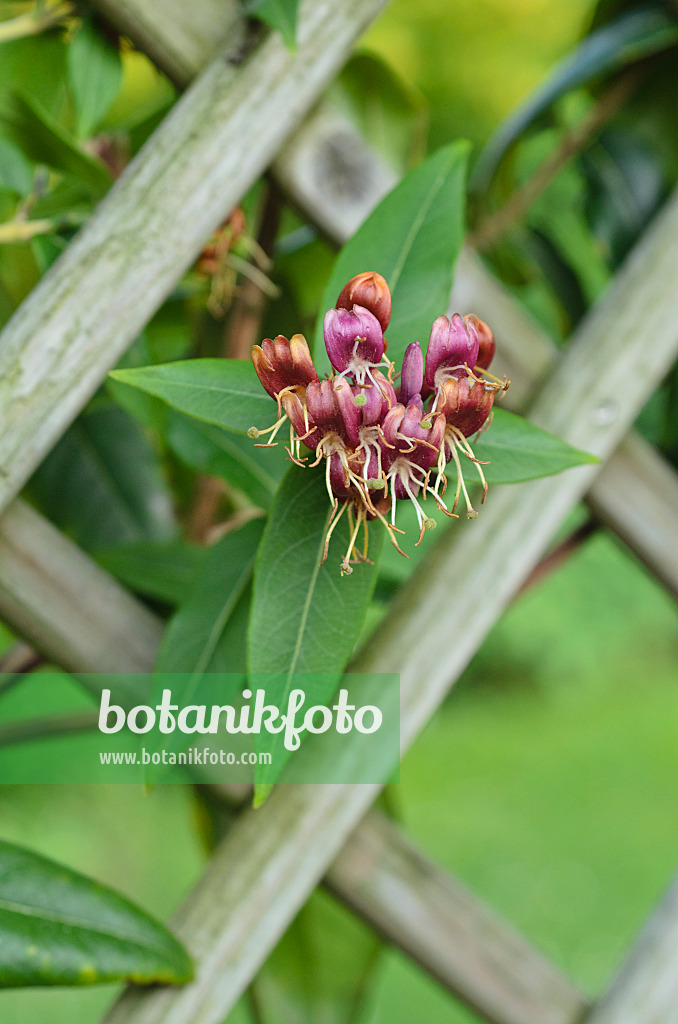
180, 38
645, 990
215, 142
274, 856
464, 944
80, 618
636, 495
71, 610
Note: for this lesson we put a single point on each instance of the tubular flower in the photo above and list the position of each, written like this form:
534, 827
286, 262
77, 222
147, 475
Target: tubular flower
381, 445
354, 341
284, 368
452, 348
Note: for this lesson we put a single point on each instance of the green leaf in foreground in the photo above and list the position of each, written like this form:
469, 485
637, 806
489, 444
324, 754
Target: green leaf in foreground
518, 450
413, 239
305, 617
281, 15
58, 927
226, 392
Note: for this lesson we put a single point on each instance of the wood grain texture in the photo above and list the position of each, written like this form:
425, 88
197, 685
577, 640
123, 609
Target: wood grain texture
92, 303
448, 931
263, 871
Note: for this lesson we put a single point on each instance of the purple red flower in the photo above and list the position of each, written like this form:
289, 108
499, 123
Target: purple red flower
380, 443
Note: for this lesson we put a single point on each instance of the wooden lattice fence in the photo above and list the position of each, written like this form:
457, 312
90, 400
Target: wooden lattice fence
241, 115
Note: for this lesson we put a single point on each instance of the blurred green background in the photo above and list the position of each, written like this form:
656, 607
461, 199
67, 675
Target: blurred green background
548, 781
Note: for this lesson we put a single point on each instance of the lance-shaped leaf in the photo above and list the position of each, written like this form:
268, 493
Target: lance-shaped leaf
195, 640
413, 239
305, 617
58, 927
226, 392
103, 482
517, 450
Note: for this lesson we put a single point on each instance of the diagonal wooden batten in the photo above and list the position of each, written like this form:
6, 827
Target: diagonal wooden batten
447, 930
264, 870
645, 989
54, 595
208, 151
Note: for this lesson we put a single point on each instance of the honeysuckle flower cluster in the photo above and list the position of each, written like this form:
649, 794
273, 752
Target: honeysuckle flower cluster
384, 436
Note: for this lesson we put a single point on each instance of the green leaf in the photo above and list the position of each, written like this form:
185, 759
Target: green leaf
58, 927
280, 15
631, 37
226, 392
95, 75
42, 140
254, 471
305, 617
519, 450
103, 482
413, 239
165, 571
194, 640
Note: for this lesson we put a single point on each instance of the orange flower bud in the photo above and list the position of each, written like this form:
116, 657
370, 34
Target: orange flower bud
371, 291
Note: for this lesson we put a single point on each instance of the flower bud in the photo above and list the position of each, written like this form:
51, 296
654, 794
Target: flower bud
354, 341
412, 375
466, 403
486, 344
281, 364
370, 291
452, 346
